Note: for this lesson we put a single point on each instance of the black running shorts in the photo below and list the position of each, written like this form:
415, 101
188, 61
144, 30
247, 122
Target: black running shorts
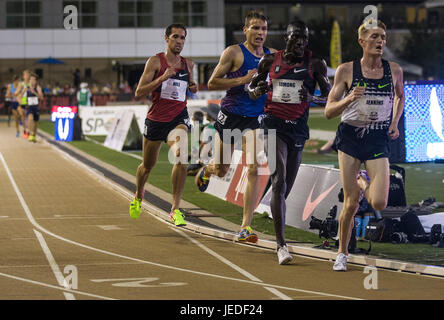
231, 121
361, 143
155, 130
293, 132
34, 110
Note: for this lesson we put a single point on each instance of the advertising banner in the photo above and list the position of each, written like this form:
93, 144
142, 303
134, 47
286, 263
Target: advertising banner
97, 121
63, 118
314, 193
124, 132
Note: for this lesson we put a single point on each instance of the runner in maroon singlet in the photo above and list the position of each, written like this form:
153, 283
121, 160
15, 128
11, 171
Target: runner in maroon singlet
167, 76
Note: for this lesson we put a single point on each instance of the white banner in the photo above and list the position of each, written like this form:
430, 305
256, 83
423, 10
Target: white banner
219, 186
124, 131
97, 121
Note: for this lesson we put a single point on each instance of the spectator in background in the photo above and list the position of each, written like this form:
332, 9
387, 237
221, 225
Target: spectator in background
84, 95
76, 81
56, 89
95, 89
126, 88
47, 89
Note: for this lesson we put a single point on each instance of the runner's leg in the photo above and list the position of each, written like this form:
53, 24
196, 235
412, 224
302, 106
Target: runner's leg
179, 171
150, 154
349, 168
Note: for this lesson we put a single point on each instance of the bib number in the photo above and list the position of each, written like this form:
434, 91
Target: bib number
174, 89
373, 109
32, 101
286, 91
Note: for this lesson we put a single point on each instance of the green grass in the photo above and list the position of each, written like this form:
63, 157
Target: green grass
421, 178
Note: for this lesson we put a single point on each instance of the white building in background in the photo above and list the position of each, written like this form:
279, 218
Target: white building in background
114, 37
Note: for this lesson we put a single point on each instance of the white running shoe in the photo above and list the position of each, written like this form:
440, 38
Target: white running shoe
340, 263
284, 256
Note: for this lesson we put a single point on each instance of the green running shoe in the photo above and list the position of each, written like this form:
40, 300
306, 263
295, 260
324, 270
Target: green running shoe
135, 208
178, 218
247, 235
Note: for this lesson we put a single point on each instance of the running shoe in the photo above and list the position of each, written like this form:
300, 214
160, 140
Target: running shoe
246, 234
284, 257
32, 138
340, 263
201, 181
26, 135
135, 208
17, 134
178, 218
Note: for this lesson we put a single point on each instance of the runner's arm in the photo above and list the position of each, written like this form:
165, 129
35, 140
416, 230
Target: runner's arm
18, 93
146, 83
218, 81
40, 93
335, 104
192, 86
320, 75
398, 103
8, 92
258, 85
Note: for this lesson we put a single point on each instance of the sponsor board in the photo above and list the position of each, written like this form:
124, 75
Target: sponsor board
124, 132
97, 121
63, 118
314, 192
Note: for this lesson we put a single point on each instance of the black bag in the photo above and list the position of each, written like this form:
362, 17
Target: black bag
411, 225
381, 230
77, 130
396, 196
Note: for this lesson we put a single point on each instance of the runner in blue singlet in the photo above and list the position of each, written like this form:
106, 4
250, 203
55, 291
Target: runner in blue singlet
239, 113
13, 103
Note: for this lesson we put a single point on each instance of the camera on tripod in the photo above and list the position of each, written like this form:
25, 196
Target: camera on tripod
328, 228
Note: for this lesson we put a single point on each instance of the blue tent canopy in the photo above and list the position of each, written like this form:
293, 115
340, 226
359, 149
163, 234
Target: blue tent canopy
50, 60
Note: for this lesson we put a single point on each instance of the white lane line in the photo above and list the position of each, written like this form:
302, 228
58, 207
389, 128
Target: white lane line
34, 222
55, 268
231, 265
54, 287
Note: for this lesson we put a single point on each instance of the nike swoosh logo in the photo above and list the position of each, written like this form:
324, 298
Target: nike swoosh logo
384, 85
311, 205
182, 75
377, 154
297, 71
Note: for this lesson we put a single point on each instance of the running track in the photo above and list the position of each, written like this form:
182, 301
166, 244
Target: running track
57, 216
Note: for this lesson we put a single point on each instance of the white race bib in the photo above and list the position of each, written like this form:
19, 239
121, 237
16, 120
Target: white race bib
32, 101
371, 108
174, 89
286, 91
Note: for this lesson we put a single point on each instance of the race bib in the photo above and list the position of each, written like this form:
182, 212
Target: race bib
32, 101
286, 91
174, 89
373, 109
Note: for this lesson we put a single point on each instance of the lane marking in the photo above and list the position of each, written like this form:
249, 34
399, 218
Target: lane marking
54, 266
230, 264
54, 287
128, 195
139, 282
109, 227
